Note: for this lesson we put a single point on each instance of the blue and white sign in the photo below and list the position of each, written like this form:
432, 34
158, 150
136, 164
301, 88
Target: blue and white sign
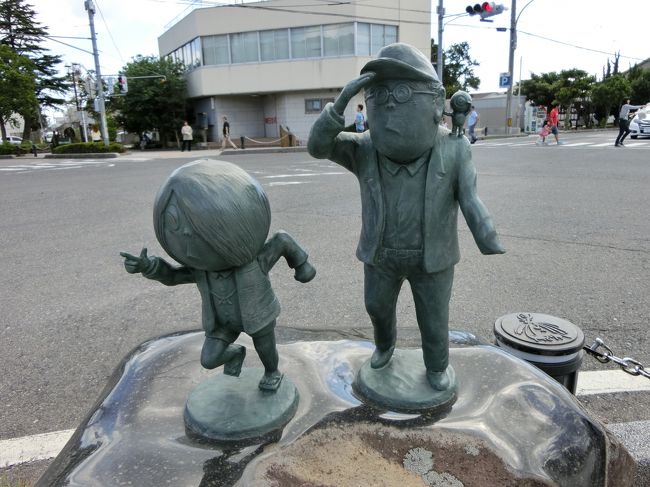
504, 80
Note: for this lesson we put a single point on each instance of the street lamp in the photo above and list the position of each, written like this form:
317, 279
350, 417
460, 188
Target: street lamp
74, 73
441, 27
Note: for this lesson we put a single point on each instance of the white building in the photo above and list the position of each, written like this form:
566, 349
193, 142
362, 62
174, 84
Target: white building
278, 62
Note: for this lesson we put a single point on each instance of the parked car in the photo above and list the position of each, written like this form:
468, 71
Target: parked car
12, 139
640, 124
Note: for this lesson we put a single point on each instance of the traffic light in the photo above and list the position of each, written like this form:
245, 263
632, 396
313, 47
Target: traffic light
485, 9
123, 84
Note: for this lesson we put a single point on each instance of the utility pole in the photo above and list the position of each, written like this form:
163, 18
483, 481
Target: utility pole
441, 14
101, 108
511, 63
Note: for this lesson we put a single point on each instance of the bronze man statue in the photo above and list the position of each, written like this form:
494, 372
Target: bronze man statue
413, 176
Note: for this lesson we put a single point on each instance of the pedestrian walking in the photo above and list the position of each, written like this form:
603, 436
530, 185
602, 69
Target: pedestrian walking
360, 119
553, 119
95, 134
624, 121
226, 134
186, 133
472, 120
543, 133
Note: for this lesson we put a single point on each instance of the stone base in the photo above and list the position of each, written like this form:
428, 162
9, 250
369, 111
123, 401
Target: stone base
511, 425
402, 386
226, 409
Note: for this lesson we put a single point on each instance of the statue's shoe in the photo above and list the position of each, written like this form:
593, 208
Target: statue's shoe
233, 366
271, 382
211, 353
438, 380
381, 357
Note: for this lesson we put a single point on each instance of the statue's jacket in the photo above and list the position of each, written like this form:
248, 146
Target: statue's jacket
450, 183
258, 305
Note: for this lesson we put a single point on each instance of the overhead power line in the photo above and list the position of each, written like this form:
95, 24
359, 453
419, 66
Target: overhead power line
577, 47
109, 31
69, 45
569, 44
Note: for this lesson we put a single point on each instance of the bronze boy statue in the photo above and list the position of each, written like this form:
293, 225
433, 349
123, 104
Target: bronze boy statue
213, 218
413, 176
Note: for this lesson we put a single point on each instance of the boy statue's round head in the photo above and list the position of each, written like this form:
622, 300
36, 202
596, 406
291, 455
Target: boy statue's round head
211, 215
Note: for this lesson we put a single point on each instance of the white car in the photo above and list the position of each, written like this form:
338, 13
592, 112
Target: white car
12, 139
640, 124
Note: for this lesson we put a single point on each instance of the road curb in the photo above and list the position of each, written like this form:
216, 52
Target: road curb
88, 155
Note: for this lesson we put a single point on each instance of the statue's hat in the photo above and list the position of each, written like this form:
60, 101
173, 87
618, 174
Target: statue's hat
399, 60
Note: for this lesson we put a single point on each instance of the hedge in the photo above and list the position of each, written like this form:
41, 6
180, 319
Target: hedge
9, 149
88, 147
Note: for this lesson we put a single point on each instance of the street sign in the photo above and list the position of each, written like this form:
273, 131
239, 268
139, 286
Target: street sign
504, 80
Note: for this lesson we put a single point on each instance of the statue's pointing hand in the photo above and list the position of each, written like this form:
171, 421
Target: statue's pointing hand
134, 264
351, 89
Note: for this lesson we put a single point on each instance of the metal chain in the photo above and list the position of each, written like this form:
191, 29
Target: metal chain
627, 364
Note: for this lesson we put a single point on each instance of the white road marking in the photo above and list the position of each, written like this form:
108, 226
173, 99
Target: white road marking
609, 381
576, 144
32, 448
303, 175
288, 183
62, 164
48, 445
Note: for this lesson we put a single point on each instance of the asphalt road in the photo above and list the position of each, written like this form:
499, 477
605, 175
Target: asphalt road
574, 221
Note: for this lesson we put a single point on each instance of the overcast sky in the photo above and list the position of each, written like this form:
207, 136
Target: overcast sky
553, 34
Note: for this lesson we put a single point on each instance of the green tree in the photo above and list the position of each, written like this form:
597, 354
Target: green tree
608, 95
572, 90
540, 89
152, 103
639, 84
457, 69
20, 32
17, 86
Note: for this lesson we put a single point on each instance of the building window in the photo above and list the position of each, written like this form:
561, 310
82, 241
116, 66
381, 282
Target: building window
187, 55
332, 40
363, 39
316, 105
380, 36
243, 47
338, 40
215, 50
274, 44
196, 53
305, 42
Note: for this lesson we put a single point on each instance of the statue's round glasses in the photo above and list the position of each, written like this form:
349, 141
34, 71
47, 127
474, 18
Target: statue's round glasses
401, 93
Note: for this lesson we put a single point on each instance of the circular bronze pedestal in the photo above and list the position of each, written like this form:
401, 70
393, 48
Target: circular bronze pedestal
225, 409
402, 386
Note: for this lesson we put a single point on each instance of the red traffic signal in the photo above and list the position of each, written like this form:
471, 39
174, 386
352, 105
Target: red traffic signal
485, 9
